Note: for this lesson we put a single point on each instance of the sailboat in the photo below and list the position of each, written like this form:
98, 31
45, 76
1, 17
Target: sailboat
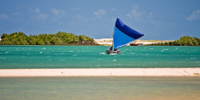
122, 35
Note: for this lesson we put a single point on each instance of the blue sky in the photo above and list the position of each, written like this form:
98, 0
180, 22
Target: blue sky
157, 19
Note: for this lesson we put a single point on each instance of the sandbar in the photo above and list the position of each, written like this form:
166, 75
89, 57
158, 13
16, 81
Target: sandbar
100, 72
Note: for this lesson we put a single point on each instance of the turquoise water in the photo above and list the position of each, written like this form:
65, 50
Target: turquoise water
100, 88
95, 57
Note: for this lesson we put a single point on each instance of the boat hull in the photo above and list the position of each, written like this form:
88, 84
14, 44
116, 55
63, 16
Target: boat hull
136, 44
113, 52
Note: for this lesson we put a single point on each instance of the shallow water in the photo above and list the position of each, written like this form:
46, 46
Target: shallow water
100, 88
96, 57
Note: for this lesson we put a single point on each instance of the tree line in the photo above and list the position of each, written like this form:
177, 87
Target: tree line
183, 41
60, 38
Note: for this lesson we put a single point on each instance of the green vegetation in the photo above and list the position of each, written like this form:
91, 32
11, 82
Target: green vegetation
60, 38
183, 41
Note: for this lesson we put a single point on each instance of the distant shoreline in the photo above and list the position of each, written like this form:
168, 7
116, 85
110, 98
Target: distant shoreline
108, 41
68, 72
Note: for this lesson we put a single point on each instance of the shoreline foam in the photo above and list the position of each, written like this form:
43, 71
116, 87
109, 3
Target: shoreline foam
100, 72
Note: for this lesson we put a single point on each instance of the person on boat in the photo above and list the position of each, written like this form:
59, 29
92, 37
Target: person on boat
110, 48
115, 49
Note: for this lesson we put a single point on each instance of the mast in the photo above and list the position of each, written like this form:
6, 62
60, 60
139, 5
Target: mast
113, 38
113, 35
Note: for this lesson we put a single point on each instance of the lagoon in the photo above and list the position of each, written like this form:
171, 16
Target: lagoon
100, 88
20, 57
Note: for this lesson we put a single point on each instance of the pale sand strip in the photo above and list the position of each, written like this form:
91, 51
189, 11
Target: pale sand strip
100, 72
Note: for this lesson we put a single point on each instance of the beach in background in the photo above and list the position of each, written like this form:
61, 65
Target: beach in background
108, 41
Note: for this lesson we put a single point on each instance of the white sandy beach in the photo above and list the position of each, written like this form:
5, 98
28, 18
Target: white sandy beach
100, 72
108, 41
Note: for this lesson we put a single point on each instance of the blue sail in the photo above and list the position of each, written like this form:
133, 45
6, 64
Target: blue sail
123, 34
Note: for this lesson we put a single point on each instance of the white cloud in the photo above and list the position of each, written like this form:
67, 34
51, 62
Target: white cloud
134, 12
3, 16
99, 13
129, 15
37, 10
42, 16
194, 16
37, 14
57, 12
